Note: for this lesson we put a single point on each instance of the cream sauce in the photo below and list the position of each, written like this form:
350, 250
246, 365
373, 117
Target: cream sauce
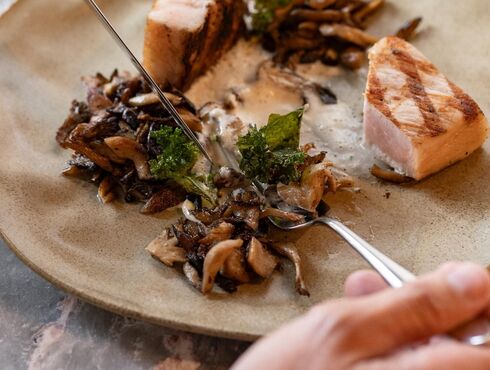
335, 128
235, 70
263, 97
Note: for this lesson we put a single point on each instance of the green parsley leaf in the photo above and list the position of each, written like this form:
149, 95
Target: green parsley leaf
201, 185
271, 154
178, 156
282, 132
253, 148
264, 13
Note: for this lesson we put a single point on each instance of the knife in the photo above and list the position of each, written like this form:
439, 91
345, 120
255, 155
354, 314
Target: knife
151, 82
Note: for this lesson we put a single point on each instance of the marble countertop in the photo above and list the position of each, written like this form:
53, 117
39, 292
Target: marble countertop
41, 327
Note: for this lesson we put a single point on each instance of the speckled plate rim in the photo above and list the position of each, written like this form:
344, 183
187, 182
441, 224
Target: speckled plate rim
120, 309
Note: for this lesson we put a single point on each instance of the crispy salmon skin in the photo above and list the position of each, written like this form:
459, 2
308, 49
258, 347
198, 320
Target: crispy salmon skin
415, 119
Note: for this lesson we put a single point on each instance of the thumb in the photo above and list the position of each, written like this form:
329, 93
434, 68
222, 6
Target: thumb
433, 304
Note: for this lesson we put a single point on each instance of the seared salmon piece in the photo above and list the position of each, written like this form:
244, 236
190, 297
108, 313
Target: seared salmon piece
415, 119
183, 38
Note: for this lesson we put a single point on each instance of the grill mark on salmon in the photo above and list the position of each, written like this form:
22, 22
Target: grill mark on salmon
408, 66
377, 96
464, 103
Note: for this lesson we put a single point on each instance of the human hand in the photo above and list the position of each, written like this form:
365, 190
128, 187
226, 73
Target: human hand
377, 328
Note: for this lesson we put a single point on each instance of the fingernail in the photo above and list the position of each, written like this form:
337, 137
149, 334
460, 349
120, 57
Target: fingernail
467, 280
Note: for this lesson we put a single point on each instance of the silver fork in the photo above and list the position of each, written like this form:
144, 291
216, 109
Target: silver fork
475, 332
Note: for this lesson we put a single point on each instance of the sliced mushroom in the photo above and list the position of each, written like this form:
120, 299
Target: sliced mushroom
316, 15
279, 213
82, 148
79, 113
312, 55
311, 27
102, 148
215, 259
345, 182
126, 148
407, 31
292, 81
187, 208
219, 233
309, 192
73, 171
152, 98
234, 267
110, 89
143, 100
330, 57
97, 102
319, 4
259, 259
296, 42
342, 179
164, 248
353, 58
389, 175
94, 81
99, 126
250, 215
162, 200
188, 234
332, 185
192, 275
192, 120
290, 251
367, 10
348, 33
105, 193
209, 215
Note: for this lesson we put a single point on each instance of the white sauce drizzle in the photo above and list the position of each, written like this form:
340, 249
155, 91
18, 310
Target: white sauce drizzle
335, 128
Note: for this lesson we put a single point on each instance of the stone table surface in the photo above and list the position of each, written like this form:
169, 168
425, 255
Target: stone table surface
41, 327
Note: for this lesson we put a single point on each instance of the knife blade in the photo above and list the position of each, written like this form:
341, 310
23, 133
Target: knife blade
151, 82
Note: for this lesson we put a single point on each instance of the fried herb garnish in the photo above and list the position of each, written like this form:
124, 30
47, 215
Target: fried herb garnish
177, 158
271, 154
264, 13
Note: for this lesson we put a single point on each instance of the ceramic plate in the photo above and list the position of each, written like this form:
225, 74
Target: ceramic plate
57, 226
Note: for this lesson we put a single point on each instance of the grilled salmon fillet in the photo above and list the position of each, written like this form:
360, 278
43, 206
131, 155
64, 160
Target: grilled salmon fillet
415, 119
183, 38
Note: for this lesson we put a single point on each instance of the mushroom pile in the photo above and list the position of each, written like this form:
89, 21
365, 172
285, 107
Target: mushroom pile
110, 135
227, 245
232, 244
331, 31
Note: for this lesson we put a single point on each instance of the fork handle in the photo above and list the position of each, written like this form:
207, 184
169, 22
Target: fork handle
381, 263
